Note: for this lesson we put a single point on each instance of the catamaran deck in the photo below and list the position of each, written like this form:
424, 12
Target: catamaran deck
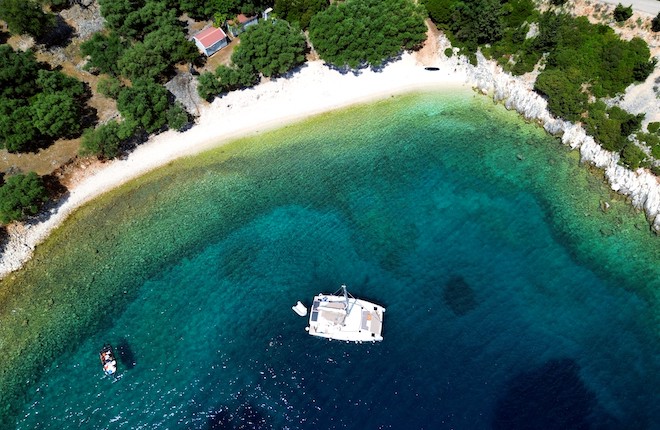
346, 318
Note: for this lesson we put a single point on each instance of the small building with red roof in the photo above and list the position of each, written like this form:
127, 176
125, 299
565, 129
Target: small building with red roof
241, 23
211, 40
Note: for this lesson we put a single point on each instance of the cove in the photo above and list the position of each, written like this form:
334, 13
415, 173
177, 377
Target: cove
512, 299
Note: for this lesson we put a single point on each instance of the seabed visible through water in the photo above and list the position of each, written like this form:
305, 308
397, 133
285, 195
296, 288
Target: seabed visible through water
512, 300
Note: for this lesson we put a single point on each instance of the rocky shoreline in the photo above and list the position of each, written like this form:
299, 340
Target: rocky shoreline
640, 186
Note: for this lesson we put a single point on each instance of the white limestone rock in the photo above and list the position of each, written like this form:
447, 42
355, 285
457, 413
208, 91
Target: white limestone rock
641, 186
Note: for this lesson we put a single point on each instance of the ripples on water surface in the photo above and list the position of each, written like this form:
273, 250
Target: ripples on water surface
512, 300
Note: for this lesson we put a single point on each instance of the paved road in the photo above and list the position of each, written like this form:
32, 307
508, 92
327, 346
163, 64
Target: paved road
652, 7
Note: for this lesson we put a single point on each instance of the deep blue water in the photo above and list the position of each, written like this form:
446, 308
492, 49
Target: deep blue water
512, 301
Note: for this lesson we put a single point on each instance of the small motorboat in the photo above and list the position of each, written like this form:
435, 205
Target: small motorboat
108, 360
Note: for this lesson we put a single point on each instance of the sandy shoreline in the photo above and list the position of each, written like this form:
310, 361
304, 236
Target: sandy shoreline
312, 90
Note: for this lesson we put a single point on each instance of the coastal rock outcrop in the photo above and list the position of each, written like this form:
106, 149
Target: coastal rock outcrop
641, 186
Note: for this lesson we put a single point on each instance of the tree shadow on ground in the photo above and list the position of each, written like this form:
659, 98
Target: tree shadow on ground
4, 238
551, 397
60, 35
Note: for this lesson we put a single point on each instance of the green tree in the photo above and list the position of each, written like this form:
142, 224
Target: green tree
440, 11
105, 140
119, 14
51, 82
477, 22
104, 52
56, 114
209, 86
271, 48
20, 196
17, 131
26, 16
159, 50
611, 127
177, 117
18, 71
234, 78
145, 103
299, 12
197, 9
632, 156
360, 33
142, 62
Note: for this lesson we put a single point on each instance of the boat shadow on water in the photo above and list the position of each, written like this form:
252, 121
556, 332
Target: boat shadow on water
125, 354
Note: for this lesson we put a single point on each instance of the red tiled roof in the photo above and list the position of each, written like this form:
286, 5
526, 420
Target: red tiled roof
210, 36
242, 19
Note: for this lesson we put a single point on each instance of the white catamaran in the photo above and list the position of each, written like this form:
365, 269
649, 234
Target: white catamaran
343, 317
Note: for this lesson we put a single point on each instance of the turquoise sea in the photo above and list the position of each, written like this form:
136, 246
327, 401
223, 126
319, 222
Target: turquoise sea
513, 301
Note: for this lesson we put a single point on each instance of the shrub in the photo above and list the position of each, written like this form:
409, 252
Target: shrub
565, 96
655, 24
632, 156
109, 86
622, 13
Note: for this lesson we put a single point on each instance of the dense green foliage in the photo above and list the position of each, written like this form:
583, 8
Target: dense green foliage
633, 157
26, 16
477, 22
109, 86
651, 139
563, 90
360, 33
209, 86
177, 117
104, 52
583, 60
606, 62
36, 104
105, 140
144, 103
145, 41
514, 51
271, 47
20, 196
299, 12
207, 9
622, 13
611, 128
224, 80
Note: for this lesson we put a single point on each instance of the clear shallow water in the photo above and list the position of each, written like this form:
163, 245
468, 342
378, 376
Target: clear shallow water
512, 300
